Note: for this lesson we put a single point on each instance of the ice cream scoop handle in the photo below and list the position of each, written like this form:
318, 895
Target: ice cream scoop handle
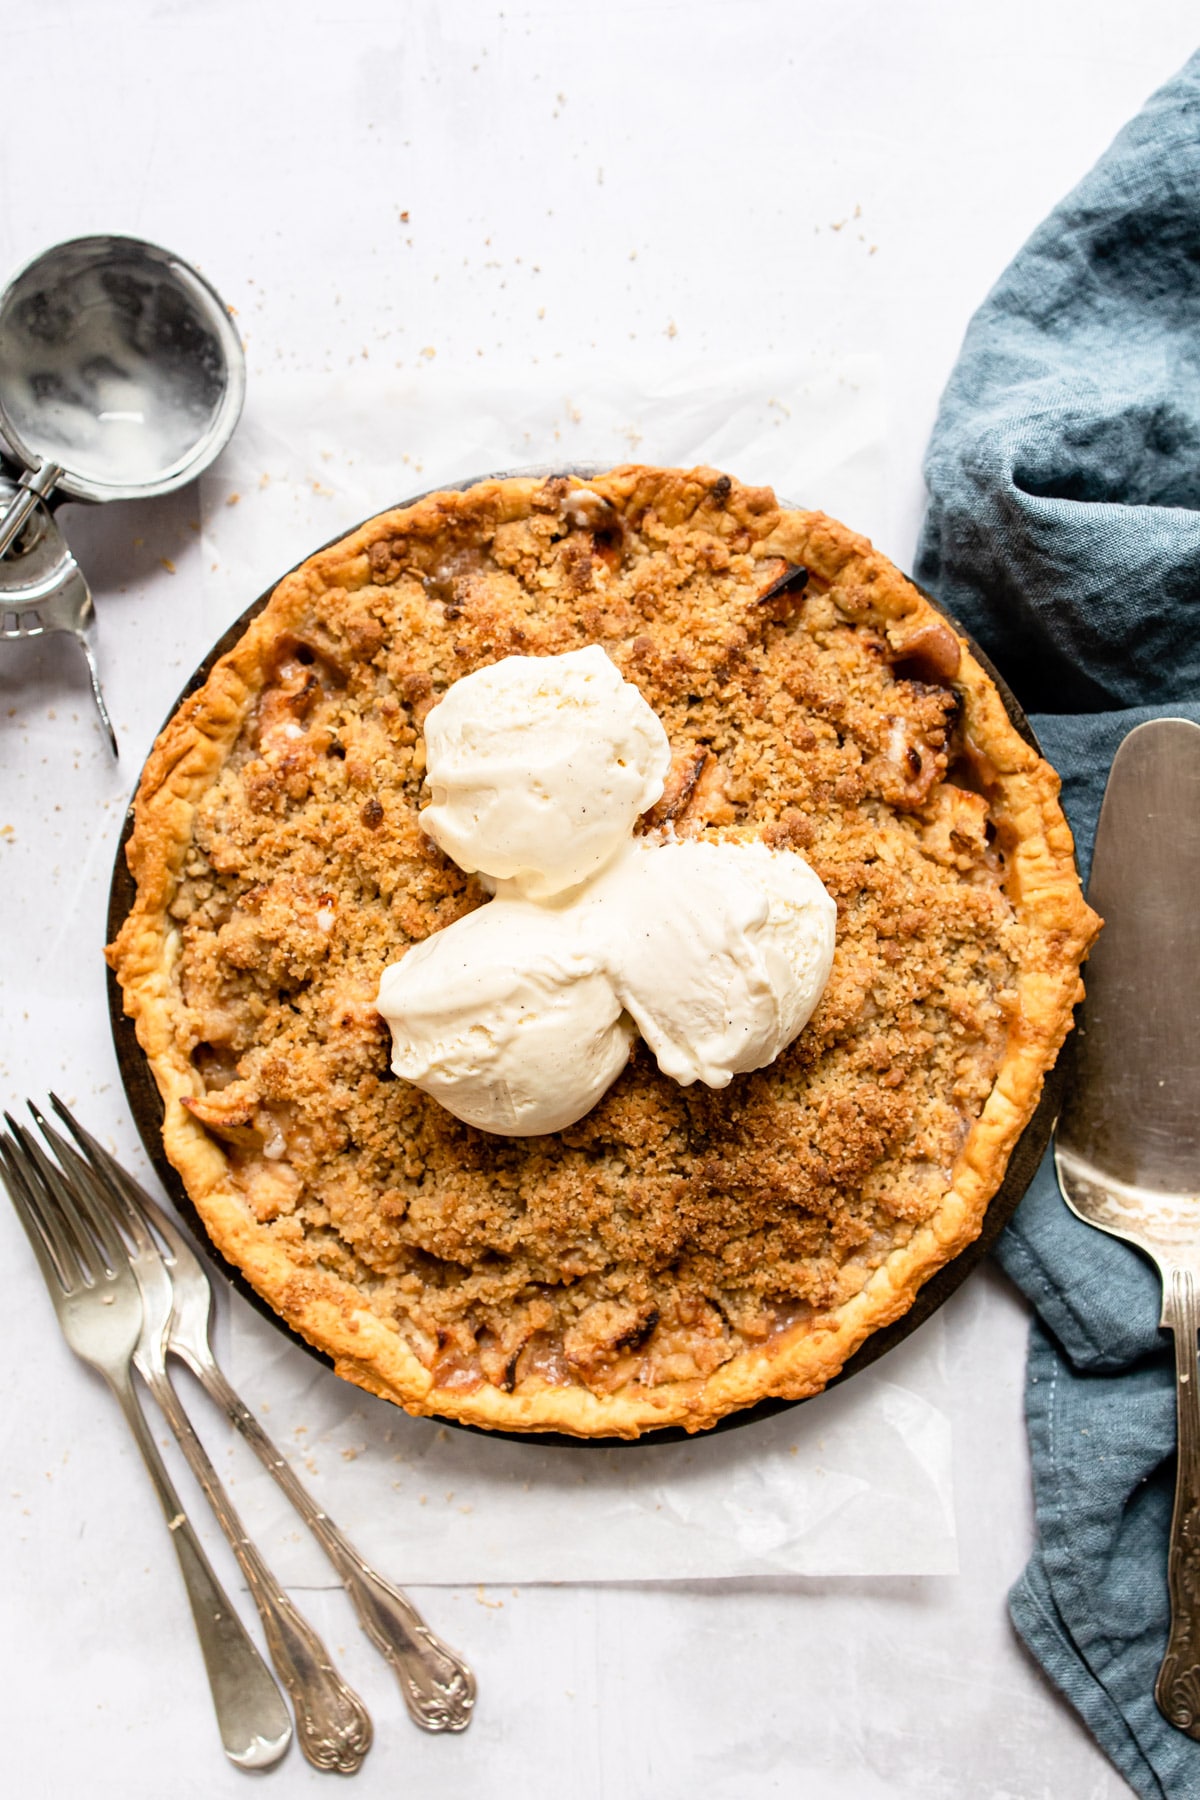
31, 491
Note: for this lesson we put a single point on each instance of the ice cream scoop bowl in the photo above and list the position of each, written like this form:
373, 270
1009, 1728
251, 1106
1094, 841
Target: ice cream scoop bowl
121, 378
121, 375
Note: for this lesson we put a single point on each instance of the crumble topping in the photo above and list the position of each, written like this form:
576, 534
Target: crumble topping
671, 1228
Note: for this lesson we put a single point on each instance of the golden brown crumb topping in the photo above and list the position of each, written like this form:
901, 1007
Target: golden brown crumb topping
671, 1227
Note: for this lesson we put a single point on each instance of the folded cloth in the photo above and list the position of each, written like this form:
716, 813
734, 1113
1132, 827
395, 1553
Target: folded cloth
1064, 531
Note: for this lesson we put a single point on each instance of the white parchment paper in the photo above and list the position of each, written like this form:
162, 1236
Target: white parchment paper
856, 1482
315, 455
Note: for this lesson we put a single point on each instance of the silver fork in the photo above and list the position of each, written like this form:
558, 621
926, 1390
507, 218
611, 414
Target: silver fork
99, 1307
332, 1723
437, 1685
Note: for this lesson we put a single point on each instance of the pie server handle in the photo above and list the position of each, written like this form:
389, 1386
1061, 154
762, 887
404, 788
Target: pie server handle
1177, 1689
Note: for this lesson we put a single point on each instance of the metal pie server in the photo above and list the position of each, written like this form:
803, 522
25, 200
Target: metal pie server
1127, 1148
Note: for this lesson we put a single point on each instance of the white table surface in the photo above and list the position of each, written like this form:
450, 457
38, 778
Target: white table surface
646, 184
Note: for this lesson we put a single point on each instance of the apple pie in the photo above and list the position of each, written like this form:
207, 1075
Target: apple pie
681, 1251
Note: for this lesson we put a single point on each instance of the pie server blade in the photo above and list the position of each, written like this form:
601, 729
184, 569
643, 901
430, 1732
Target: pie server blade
1127, 1145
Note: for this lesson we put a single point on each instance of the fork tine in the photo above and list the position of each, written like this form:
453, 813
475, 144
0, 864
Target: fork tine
105, 1195
92, 1152
56, 1209
92, 1203
143, 1204
97, 1241
57, 1279
41, 1208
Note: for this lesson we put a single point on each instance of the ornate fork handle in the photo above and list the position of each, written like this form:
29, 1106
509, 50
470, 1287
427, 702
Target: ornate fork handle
331, 1721
438, 1687
1177, 1689
252, 1718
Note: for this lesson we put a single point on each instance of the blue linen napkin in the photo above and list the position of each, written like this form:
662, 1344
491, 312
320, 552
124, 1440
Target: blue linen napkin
1064, 531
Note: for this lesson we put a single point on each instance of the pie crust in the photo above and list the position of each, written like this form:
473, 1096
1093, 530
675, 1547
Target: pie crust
679, 1253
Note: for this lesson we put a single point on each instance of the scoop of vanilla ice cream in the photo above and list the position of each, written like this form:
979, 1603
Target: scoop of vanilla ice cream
720, 951
507, 1018
538, 767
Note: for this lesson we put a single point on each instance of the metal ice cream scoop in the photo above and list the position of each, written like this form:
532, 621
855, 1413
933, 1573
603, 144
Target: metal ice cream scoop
121, 377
